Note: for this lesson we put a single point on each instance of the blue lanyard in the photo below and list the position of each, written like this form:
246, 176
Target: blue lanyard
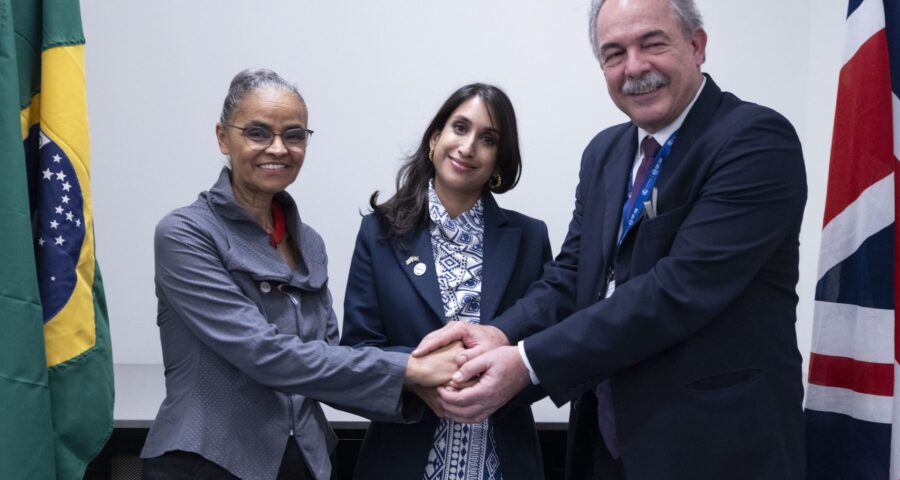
629, 219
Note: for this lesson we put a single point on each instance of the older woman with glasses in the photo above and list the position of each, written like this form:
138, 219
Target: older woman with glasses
245, 315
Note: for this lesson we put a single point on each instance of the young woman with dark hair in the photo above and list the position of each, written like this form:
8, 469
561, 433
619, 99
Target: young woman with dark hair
441, 250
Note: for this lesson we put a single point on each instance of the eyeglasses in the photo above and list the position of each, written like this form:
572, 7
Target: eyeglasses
259, 138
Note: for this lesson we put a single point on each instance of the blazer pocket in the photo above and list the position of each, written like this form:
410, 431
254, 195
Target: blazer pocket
665, 222
654, 239
721, 414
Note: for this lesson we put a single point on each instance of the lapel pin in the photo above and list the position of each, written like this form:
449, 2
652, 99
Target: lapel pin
419, 269
412, 259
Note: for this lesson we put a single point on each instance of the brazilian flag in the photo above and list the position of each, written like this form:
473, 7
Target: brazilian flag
56, 376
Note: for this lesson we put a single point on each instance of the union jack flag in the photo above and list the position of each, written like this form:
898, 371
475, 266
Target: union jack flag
852, 401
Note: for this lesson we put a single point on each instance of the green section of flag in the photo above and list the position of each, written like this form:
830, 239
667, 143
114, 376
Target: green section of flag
52, 423
40, 25
26, 432
81, 396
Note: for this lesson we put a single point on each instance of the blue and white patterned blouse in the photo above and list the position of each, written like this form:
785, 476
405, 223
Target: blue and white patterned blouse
461, 451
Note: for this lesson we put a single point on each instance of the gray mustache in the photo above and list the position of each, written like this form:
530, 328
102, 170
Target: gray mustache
645, 83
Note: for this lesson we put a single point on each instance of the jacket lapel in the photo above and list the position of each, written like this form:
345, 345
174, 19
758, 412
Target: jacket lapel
501, 248
425, 284
244, 234
694, 124
615, 182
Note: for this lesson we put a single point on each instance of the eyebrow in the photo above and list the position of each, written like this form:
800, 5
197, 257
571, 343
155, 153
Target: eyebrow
260, 123
464, 118
643, 38
655, 33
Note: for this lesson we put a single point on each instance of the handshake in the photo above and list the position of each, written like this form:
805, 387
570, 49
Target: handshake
466, 371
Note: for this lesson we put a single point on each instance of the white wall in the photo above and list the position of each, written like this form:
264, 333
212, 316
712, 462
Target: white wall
373, 74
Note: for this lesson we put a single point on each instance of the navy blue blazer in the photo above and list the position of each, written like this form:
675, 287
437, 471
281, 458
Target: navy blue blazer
698, 339
390, 307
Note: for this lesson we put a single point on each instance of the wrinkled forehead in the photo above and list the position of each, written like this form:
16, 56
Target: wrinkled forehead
636, 17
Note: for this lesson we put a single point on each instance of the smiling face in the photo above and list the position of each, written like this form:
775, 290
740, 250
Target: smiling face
258, 174
652, 69
465, 153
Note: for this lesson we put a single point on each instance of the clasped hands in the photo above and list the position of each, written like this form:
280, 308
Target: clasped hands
466, 371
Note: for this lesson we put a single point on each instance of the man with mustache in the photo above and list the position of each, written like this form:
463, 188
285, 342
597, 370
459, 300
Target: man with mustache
668, 317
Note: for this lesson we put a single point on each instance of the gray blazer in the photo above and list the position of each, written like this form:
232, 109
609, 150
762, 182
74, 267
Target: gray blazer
249, 346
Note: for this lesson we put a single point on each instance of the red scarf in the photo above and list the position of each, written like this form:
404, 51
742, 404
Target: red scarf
277, 234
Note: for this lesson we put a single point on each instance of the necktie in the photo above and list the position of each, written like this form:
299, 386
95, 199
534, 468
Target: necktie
606, 420
649, 148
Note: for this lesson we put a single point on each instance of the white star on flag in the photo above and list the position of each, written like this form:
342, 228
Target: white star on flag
60, 210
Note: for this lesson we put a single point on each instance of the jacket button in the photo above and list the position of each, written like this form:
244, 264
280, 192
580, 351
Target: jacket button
264, 287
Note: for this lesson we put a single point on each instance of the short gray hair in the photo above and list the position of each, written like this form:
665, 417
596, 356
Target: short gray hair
250, 80
685, 12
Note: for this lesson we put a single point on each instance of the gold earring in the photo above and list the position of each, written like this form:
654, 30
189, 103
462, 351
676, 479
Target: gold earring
431, 155
496, 181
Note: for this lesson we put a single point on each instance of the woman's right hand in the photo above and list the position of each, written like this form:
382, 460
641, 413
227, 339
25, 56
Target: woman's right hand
434, 369
430, 396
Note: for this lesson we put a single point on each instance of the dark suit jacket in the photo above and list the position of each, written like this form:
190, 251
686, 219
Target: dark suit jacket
698, 338
388, 306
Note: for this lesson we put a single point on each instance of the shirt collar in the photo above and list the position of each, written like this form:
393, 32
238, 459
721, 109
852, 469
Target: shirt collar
471, 221
313, 274
664, 133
